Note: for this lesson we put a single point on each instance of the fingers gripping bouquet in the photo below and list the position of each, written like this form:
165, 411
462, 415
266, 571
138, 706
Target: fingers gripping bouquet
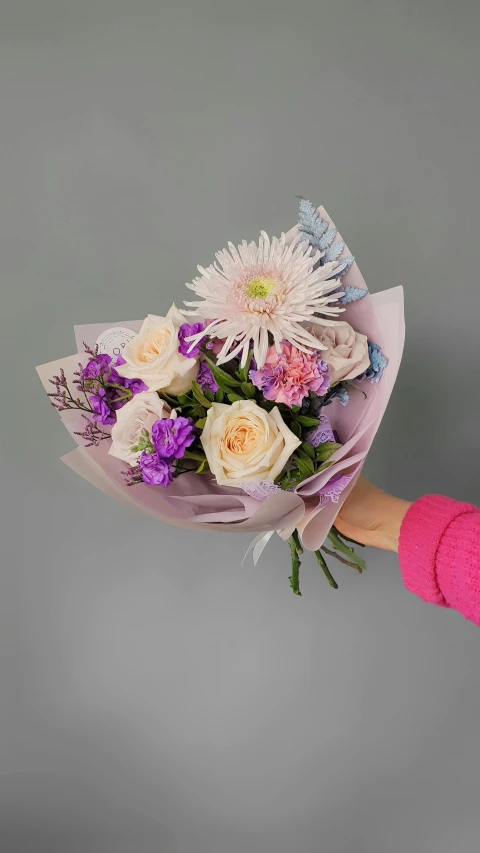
251, 409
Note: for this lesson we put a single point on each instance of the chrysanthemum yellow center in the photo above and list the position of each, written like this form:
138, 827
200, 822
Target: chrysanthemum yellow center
260, 288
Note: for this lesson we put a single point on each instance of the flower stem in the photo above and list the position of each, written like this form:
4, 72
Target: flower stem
342, 559
349, 552
295, 576
326, 571
298, 544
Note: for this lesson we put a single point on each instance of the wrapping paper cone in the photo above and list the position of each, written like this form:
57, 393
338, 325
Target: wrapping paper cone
197, 502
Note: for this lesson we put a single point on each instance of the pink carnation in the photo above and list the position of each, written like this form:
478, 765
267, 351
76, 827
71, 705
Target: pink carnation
289, 376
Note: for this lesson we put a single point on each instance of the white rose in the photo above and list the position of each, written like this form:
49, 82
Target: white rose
244, 443
153, 356
141, 412
346, 350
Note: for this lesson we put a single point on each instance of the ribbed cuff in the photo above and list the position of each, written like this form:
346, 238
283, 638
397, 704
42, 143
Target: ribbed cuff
423, 527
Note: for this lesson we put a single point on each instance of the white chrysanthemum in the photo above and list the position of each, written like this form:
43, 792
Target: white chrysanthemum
271, 287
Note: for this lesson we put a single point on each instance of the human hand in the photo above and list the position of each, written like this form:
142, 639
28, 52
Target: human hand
372, 517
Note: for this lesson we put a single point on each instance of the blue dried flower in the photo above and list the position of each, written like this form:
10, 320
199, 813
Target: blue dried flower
378, 363
338, 392
351, 294
317, 232
343, 396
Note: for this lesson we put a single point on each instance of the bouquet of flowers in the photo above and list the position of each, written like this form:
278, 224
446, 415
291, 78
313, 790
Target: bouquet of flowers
252, 408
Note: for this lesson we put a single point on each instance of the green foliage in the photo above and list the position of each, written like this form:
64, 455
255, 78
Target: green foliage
223, 379
200, 396
325, 450
242, 372
249, 390
306, 421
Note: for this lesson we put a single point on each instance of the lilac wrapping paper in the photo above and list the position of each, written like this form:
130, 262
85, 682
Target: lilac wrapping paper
196, 502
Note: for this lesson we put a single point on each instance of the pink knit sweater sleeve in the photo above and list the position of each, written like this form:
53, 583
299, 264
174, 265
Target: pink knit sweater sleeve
439, 553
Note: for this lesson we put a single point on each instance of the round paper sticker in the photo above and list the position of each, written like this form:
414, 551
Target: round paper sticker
113, 341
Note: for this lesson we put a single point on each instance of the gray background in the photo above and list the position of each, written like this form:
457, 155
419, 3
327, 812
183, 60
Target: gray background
154, 695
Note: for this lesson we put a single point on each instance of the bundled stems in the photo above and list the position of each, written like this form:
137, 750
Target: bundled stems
353, 561
326, 571
342, 559
345, 549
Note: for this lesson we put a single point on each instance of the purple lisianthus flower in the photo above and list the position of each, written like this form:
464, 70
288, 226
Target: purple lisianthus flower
185, 331
96, 366
102, 407
172, 437
155, 471
136, 386
205, 378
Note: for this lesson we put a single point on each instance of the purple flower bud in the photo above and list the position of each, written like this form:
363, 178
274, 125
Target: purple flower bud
96, 366
185, 331
205, 378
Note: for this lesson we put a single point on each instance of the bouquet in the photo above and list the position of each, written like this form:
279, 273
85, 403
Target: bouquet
252, 407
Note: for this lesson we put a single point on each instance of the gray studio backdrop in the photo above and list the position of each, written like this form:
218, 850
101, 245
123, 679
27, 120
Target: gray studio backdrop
155, 696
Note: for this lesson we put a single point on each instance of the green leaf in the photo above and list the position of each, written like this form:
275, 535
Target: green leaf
197, 455
325, 450
203, 468
184, 399
234, 397
242, 372
305, 421
306, 470
222, 377
308, 449
201, 423
200, 396
219, 396
249, 390
308, 461
198, 411
170, 400
296, 429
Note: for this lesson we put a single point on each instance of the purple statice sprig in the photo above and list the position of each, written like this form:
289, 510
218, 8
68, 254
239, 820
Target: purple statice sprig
132, 476
92, 434
99, 389
62, 398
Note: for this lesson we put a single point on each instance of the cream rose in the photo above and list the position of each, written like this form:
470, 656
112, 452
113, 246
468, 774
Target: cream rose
244, 443
153, 356
141, 412
346, 350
